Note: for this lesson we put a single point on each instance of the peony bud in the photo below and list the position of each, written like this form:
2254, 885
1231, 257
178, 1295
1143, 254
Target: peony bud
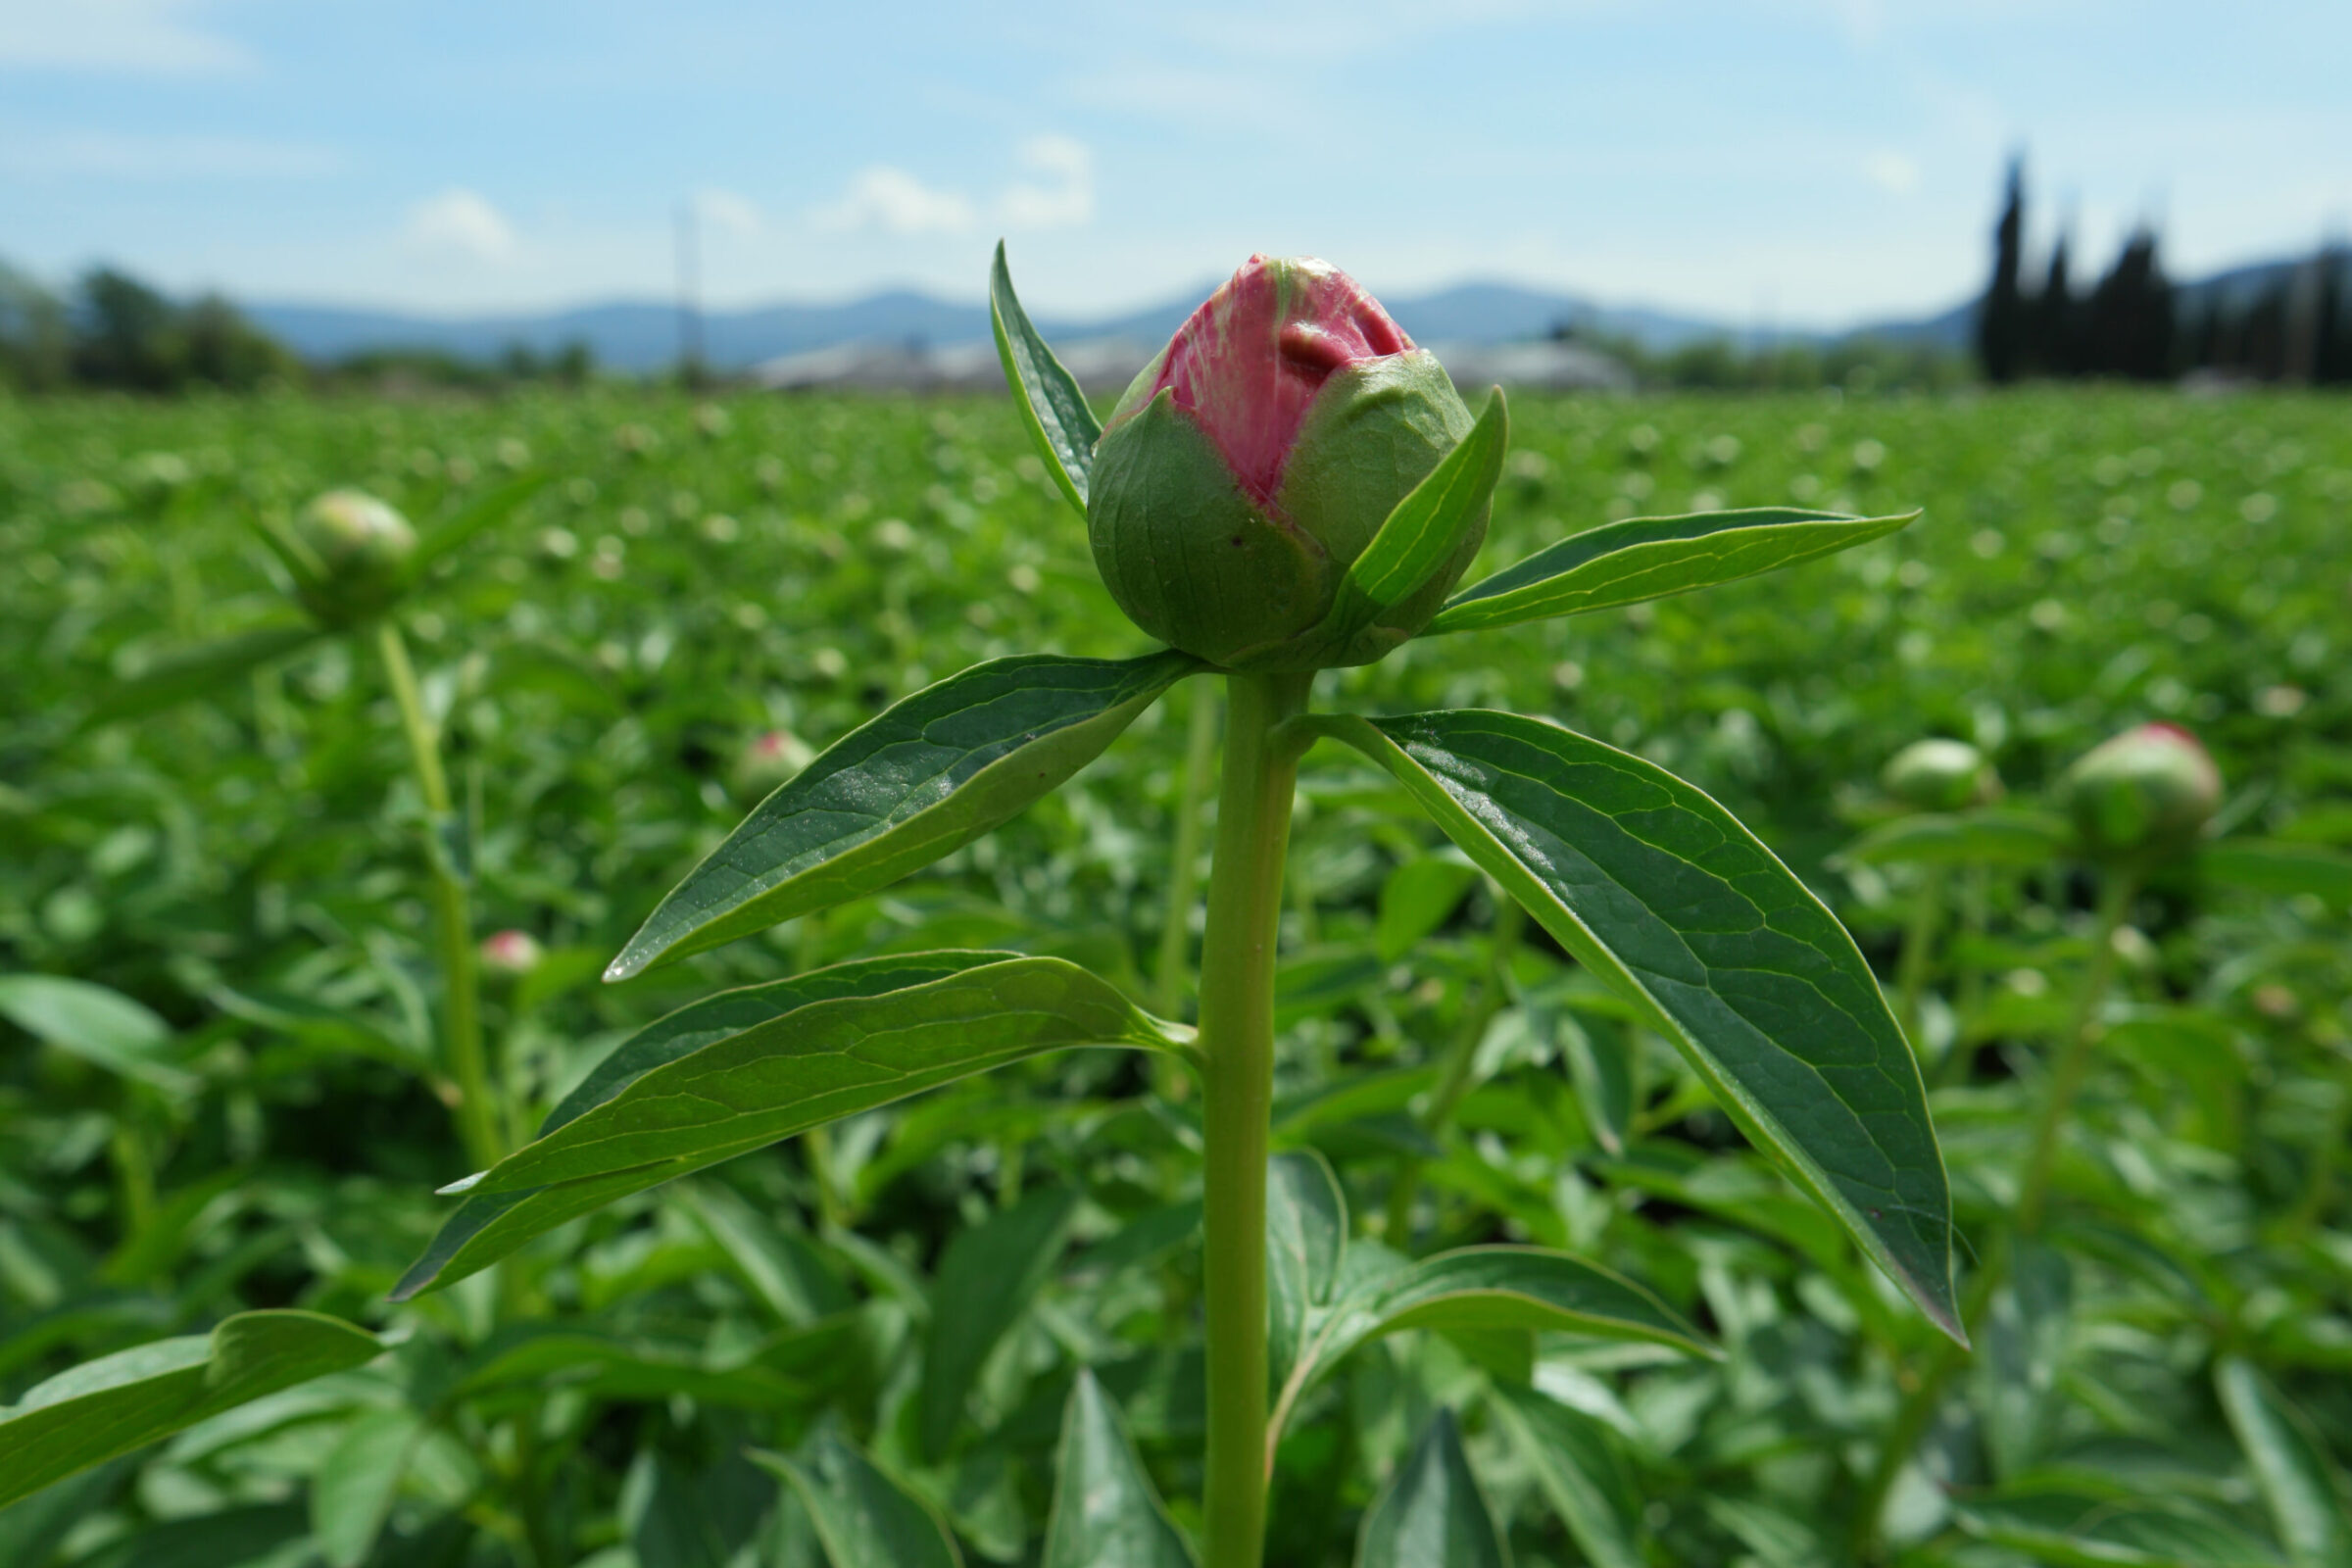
2144, 794
1940, 776
1250, 465
349, 554
773, 757
510, 952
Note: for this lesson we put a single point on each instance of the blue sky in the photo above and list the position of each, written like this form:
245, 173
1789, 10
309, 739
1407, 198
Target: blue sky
1796, 161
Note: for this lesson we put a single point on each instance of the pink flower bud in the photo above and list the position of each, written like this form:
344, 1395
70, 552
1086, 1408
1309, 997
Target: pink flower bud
1250, 465
2144, 795
510, 952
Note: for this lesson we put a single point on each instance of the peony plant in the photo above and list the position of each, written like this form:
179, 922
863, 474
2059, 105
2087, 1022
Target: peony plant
1291, 486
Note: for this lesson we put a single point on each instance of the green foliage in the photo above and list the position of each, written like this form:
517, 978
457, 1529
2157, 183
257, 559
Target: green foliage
238, 865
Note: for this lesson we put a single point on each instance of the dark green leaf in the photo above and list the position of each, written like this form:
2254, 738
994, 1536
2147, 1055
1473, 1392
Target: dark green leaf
2024, 1338
1580, 1472
2305, 1491
1475, 1290
2075, 1530
92, 1412
781, 1268
1993, 836
102, 1027
351, 1495
863, 1517
927, 777
1659, 891
1306, 1235
672, 1113
1052, 405
678, 1518
1514, 1288
187, 674
1431, 1514
2282, 868
1648, 558
1105, 1512
986, 1279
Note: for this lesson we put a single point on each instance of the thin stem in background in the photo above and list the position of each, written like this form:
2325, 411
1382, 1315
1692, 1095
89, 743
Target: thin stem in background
1237, 1043
1918, 952
1926, 1396
477, 1111
1461, 1055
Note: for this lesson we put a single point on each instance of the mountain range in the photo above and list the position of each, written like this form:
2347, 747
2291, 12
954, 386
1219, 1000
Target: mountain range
638, 336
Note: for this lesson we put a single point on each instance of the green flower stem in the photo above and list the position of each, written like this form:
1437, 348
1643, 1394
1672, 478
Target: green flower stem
2073, 1060
1237, 1044
1184, 870
1919, 948
1926, 1396
1453, 1081
461, 978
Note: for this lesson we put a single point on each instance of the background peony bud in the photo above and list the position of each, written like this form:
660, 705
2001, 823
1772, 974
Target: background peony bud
1940, 776
2144, 794
773, 757
1250, 465
511, 953
349, 554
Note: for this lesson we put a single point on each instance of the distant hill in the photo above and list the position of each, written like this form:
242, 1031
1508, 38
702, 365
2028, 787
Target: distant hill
640, 336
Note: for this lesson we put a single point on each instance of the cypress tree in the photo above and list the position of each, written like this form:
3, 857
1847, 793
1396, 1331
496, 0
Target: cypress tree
2000, 319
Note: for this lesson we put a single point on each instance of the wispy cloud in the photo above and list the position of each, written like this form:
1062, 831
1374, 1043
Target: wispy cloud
1892, 172
897, 203
724, 210
111, 154
1067, 201
131, 37
464, 224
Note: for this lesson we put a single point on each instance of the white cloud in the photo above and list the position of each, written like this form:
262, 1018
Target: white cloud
106, 154
724, 210
136, 37
892, 200
1892, 172
462, 223
1067, 201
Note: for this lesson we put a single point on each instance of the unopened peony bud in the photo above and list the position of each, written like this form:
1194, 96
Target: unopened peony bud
1940, 776
773, 756
510, 952
1250, 465
2144, 795
349, 554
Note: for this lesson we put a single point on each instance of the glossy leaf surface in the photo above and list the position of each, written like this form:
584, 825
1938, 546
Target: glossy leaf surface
1661, 892
2299, 1484
1107, 1514
882, 1038
90, 1413
1577, 1467
923, 779
863, 1517
987, 1277
1053, 406
1432, 1515
1649, 558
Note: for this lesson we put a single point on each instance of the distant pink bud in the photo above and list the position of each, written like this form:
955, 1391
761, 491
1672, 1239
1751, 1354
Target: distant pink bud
2145, 795
511, 953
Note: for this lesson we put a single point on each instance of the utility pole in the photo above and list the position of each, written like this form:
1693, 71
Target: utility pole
690, 305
